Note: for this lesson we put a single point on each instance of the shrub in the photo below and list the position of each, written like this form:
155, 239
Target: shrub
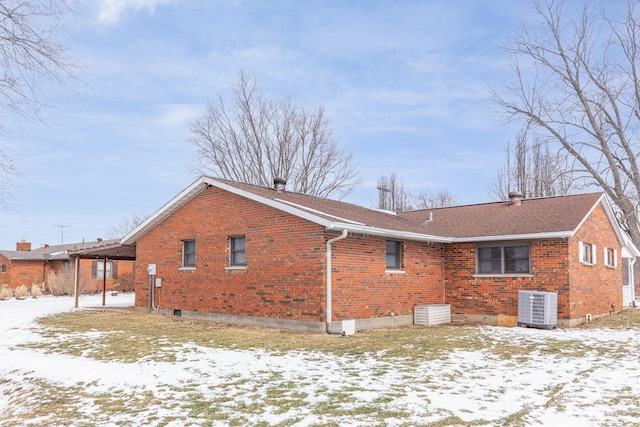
21, 292
125, 283
36, 291
5, 292
62, 282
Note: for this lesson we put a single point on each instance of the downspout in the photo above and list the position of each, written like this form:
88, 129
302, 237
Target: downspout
329, 312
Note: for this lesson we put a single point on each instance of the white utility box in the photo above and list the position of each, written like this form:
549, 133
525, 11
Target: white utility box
431, 314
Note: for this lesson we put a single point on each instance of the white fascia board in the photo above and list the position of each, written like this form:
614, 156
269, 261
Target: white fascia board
629, 249
531, 236
269, 202
608, 210
394, 234
183, 197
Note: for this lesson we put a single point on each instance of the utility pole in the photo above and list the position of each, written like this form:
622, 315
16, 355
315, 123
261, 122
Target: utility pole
62, 227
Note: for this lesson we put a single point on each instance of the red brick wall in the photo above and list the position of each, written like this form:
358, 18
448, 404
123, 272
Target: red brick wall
594, 288
5, 278
23, 273
285, 273
554, 268
362, 289
471, 294
284, 277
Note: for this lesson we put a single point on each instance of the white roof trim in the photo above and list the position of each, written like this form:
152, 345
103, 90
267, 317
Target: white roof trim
530, 236
608, 210
291, 208
158, 216
629, 249
395, 234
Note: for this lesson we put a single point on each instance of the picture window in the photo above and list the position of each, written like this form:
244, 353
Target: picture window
503, 260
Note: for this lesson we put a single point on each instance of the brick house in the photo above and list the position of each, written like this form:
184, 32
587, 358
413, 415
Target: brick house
27, 266
236, 252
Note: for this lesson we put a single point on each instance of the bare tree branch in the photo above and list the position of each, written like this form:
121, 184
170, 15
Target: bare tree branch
533, 169
255, 140
119, 230
576, 85
30, 54
394, 196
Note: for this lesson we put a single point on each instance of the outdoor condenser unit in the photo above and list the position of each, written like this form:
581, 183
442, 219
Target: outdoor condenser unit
538, 309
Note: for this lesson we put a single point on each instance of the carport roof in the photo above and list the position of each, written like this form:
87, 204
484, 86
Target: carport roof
114, 251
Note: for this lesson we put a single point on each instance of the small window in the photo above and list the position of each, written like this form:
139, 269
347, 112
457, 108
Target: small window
587, 253
238, 251
393, 255
3, 268
610, 257
98, 269
503, 260
188, 253
490, 260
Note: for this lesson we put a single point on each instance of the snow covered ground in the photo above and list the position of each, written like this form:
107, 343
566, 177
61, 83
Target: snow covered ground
600, 387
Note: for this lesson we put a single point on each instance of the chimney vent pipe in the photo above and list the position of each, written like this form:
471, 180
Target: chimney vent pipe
515, 198
279, 184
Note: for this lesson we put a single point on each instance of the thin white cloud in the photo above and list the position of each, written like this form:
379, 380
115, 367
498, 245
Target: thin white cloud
111, 11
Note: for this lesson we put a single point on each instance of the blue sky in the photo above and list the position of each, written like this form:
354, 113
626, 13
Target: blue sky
405, 85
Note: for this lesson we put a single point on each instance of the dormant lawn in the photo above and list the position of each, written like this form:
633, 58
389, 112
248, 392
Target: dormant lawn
60, 366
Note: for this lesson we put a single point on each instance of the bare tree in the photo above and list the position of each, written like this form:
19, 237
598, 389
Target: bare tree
577, 82
533, 169
121, 229
256, 139
427, 200
393, 195
30, 54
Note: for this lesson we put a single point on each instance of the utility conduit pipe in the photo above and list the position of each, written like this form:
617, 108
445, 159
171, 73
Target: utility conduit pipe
329, 313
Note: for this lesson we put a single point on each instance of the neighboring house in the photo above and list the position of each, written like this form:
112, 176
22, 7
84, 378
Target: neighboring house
243, 253
27, 266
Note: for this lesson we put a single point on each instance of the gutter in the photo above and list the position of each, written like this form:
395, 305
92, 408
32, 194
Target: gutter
344, 235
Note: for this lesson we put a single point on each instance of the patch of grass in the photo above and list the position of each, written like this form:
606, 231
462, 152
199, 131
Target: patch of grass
138, 337
130, 337
626, 319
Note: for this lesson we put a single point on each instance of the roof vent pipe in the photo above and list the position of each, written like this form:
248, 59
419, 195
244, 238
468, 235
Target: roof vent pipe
279, 184
515, 198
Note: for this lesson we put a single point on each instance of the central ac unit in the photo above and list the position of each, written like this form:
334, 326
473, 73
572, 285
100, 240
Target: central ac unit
538, 309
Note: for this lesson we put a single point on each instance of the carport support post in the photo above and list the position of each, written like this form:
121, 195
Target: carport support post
75, 280
104, 281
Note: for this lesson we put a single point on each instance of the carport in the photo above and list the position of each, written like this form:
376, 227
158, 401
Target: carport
105, 252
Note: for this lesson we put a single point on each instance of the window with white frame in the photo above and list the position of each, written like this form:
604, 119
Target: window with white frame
587, 253
503, 259
3, 268
188, 254
237, 250
610, 257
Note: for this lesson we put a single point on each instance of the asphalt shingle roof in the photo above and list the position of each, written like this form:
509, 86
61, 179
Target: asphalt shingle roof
533, 216
54, 252
550, 215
